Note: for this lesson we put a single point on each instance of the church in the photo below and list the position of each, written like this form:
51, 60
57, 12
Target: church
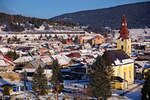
120, 59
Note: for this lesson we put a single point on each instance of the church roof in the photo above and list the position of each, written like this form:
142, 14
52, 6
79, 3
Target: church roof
116, 57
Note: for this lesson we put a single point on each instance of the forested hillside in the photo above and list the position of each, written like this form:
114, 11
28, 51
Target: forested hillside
138, 16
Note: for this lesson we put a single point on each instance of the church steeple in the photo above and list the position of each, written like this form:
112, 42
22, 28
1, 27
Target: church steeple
124, 32
124, 42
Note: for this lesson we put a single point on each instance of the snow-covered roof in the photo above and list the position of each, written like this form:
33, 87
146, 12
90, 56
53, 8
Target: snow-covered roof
5, 62
46, 59
62, 59
124, 61
141, 63
23, 59
117, 57
4, 50
87, 37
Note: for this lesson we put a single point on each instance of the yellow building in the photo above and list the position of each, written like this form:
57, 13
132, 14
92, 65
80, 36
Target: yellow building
123, 68
92, 39
125, 45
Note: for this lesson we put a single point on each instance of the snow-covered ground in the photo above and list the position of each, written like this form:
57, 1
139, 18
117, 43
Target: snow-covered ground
135, 94
132, 95
134, 33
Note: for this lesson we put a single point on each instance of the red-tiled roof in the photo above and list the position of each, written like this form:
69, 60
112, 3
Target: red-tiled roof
75, 54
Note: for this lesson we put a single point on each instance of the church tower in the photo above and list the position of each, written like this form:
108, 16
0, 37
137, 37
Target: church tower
124, 42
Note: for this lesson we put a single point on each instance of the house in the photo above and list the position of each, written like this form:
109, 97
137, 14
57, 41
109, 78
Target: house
31, 67
62, 60
42, 50
5, 64
68, 41
138, 71
6, 69
48, 60
74, 55
15, 87
93, 40
4, 50
146, 68
24, 59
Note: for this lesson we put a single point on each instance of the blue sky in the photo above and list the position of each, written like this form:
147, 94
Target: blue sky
51, 8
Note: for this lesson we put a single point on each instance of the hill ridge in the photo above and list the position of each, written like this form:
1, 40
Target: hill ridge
138, 15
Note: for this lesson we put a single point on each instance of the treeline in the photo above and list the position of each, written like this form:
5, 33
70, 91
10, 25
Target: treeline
99, 30
13, 22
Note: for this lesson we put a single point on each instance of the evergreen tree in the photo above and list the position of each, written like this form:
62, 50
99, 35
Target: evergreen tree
100, 78
46, 36
56, 77
15, 39
56, 37
76, 40
49, 36
40, 82
12, 54
6, 90
0, 38
146, 88
8, 40
40, 37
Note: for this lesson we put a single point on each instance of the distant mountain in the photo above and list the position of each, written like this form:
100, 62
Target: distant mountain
138, 16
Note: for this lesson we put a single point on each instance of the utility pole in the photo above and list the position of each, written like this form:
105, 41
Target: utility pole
57, 89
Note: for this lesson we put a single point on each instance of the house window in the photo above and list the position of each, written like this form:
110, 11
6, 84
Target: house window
128, 46
122, 47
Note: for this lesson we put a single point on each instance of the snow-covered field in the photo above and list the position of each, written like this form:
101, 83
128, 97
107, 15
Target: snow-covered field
133, 33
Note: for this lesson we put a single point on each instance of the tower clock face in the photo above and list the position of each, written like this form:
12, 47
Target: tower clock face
123, 24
